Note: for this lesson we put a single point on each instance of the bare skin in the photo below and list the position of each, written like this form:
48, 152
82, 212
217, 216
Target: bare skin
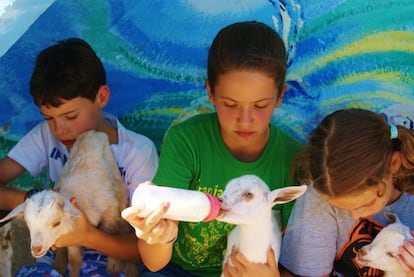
156, 235
243, 268
66, 122
362, 204
245, 102
371, 201
85, 234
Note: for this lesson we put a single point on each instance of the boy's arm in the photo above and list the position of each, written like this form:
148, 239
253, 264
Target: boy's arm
10, 197
123, 247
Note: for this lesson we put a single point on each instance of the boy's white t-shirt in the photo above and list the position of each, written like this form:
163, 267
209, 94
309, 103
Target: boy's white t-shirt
135, 154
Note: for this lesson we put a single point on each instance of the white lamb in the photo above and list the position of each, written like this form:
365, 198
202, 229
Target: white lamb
247, 202
381, 252
92, 176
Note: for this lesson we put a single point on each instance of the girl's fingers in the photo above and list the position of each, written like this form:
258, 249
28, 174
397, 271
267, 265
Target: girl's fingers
130, 213
406, 256
238, 259
154, 217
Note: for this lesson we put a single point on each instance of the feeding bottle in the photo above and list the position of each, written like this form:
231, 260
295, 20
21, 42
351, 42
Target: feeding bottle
185, 205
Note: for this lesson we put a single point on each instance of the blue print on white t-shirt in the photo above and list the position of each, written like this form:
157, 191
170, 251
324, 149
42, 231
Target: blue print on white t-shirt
56, 154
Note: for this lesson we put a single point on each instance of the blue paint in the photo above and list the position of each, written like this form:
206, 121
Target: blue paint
155, 55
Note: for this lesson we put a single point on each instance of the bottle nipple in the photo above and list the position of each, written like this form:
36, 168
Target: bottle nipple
214, 208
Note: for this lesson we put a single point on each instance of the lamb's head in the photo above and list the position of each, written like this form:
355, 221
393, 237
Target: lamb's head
381, 252
91, 140
249, 194
48, 215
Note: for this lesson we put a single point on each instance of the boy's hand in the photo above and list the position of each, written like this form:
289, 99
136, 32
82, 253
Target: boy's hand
153, 228
406, 257
78, 235
243, 268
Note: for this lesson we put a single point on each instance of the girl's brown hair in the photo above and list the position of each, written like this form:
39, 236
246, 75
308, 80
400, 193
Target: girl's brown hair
351, 150
248, 45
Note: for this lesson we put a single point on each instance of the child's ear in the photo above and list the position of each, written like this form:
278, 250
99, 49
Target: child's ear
103, 95
210, 93
281, 95
395, 162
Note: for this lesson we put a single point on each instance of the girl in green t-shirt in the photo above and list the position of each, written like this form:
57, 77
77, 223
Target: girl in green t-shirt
246, 82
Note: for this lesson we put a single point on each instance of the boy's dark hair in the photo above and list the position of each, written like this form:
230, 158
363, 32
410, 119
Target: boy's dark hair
66, 70
248, 45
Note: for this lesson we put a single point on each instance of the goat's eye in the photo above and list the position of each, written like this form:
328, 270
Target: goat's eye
248, 195
390, 254
56, 224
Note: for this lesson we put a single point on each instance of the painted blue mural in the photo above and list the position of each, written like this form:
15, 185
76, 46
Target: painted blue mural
341, 54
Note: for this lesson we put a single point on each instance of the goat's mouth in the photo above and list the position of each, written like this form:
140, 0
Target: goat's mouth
361, 259
39, 254
222, 213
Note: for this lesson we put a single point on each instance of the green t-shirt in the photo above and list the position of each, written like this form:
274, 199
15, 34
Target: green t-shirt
194, 156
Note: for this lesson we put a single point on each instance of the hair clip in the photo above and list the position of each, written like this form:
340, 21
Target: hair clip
393, 131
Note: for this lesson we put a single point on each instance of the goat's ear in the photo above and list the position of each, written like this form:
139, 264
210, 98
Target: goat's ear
16, 212
287, 194
69, 208
393, 218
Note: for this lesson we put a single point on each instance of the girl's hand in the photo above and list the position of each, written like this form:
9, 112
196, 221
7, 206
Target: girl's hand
243, 268
406, 257
154, 228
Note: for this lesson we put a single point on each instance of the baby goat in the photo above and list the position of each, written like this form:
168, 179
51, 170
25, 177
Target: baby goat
247, 202
381, 252
92, 176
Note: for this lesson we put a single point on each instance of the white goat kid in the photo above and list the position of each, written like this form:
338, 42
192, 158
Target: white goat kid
247, 202
382, 251
92, 176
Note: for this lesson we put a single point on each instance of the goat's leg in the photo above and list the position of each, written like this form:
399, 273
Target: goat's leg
113, 266
75, 261
130, 269
61, 260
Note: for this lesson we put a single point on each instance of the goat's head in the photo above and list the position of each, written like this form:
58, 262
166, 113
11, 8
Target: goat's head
91, 140
381, 252
47, 215
248, 196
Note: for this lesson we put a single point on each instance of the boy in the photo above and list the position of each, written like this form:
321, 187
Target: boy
68, 85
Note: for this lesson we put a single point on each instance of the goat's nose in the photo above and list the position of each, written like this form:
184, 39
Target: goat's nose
36, 249
362, 252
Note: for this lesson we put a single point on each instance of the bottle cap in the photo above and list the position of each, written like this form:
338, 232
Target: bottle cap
215, 208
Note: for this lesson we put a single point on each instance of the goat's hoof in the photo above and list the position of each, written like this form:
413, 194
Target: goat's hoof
61, 260
130, 269
113, 266
74, 273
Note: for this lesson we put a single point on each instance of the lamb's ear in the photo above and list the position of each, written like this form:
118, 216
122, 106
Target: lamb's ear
287, 194
16, 212
69, 208
393, 218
